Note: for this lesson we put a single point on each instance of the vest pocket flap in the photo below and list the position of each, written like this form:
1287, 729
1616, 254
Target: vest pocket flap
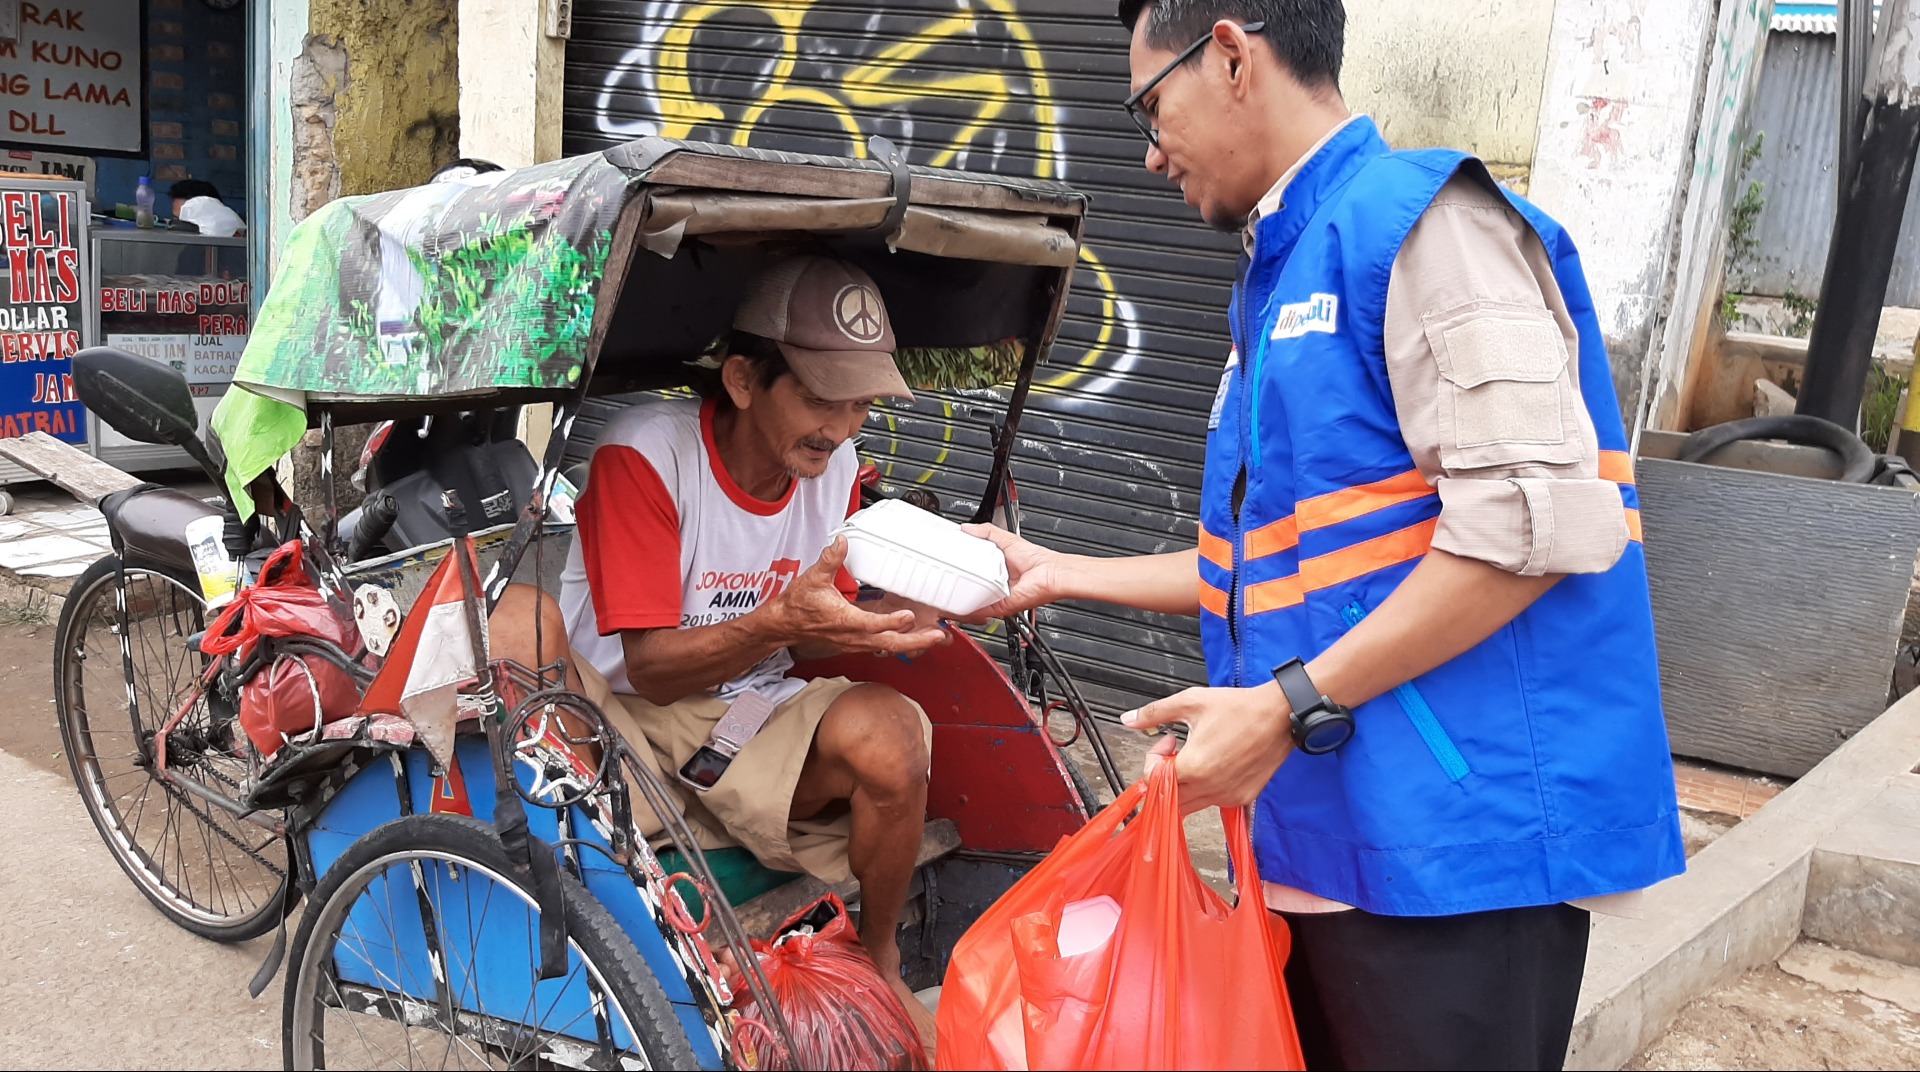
1505, 345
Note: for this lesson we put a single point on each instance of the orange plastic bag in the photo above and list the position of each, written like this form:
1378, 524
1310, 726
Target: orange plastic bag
1183, 981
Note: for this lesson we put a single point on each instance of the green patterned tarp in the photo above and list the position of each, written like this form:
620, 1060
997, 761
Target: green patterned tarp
438, 290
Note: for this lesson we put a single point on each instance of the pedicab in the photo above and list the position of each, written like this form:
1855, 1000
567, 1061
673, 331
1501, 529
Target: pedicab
470, 839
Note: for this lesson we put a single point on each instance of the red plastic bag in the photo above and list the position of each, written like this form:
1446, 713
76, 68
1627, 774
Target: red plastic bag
1182, 981
842, 1012
294, 694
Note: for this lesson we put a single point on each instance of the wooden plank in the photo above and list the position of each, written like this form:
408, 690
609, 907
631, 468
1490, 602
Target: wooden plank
1777, 602
761, 915
1773, 349
805, 180
82, 475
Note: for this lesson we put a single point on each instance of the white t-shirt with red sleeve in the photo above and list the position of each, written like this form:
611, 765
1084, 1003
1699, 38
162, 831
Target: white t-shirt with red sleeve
666, 540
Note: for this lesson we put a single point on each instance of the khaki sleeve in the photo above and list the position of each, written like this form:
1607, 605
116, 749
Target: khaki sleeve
1479, 358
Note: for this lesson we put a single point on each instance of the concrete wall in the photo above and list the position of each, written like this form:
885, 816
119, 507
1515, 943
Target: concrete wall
511, 78
1465, 74
378, 91
364, 97
1642, 102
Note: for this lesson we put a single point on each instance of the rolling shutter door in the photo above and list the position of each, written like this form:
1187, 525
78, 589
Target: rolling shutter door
1110, 448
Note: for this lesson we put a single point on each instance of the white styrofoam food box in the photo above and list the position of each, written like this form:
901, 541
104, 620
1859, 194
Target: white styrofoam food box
902, 549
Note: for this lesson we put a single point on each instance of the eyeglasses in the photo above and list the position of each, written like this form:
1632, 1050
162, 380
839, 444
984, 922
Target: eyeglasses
1132, 104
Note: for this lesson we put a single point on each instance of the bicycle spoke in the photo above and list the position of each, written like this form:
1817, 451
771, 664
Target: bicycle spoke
387, 1013
126, 672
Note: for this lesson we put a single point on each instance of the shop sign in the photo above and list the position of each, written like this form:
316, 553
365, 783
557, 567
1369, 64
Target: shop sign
41, 317
55, 165
198, 328
70, 79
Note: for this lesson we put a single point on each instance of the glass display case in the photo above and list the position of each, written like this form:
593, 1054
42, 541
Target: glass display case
180, 298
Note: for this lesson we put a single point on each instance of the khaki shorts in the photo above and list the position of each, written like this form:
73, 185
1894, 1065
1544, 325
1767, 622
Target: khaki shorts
749, 805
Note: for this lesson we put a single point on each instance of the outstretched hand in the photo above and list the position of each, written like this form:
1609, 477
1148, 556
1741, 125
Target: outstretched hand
814, 612
1033, 572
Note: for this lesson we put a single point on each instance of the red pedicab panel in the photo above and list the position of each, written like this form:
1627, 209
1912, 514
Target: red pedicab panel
995, 772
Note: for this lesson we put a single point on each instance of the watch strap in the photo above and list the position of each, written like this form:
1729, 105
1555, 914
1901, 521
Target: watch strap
1298, 688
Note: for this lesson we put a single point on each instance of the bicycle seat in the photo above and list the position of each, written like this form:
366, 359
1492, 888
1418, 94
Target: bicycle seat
149, 525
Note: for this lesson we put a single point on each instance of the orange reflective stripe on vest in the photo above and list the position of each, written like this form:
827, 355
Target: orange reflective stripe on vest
1216, 550
1617, 466
1213, 599
1323, 511
1392, 549
1338, 567
1273, 539
1336, 506
1275, 595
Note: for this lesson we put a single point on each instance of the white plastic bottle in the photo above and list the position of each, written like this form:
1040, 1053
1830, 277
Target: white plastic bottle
143, 203
219, 574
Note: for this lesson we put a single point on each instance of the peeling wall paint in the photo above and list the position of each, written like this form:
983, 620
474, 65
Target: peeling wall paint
398, 116
1617, 124
286, 35
1465, 74
319, 75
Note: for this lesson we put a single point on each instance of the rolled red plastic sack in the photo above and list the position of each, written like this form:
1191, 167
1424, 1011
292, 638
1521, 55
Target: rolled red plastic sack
1183, 981
842, 1012
294, 694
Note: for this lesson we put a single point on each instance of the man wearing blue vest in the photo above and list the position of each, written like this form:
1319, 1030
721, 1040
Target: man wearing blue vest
1420, 583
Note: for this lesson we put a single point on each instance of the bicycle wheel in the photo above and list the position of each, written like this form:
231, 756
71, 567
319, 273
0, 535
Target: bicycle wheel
421, 947
209, 871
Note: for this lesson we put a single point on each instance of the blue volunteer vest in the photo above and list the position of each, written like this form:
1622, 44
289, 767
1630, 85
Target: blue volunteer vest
1532, 769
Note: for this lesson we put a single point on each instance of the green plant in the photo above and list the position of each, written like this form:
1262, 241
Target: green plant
1799, 309
1878, 408
1743, 224
34, 610
1730, 313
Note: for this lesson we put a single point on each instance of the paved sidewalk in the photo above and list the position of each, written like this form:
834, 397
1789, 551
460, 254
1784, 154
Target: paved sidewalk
49, 534
90, 975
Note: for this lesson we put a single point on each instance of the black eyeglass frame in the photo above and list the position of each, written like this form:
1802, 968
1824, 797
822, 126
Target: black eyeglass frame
1132, 103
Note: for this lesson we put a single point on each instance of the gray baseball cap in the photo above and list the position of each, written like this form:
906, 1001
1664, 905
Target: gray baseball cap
828, 319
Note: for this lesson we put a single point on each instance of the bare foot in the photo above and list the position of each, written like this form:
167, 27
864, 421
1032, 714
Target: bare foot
921, 1017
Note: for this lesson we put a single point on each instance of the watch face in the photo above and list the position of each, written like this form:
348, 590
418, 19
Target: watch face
1325, 731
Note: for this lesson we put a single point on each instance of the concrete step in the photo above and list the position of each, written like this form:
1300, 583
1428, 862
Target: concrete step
1863, 888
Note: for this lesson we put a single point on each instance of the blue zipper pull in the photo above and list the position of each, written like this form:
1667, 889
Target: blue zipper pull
1420, 713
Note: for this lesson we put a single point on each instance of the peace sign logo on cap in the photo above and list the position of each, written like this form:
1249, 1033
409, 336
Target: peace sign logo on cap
858, 313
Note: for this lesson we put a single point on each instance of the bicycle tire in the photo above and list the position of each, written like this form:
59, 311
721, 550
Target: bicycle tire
429, 847
248, 902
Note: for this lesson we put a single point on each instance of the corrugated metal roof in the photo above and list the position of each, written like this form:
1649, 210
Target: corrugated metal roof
1795, 108
1808, 18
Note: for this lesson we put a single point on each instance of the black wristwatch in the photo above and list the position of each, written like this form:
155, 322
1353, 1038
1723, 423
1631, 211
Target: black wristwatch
1319, 724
